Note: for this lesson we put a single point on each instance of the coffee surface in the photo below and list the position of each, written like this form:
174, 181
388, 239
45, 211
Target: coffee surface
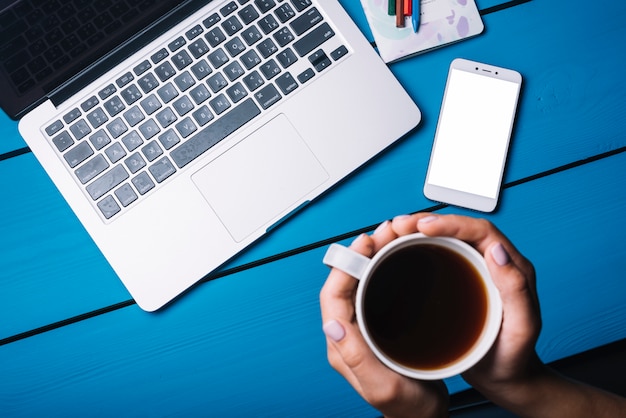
425, 306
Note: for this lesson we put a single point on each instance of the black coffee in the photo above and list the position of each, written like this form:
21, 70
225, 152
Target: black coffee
425, 306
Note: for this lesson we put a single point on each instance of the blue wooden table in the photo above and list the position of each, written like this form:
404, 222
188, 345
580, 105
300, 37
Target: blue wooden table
249, 342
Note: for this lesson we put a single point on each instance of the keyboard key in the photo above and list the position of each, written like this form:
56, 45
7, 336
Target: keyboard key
284, 36
164, 71
132, 141
198, 48
286, 83
211, 20
184, 81
63, 141
80, 129
133, 116
218, 58
250, 59
135, 163
270, 69
268, 96
268, 24
109, 207
215, 36
167, 93
306, 75
339, 53
162, 169
97, 117
149, 129
233, 71
100, 139
152, 151
124, 80
220, 104
141, 68
286, 57
107, 91
186, 127
181, 59
54, 128
202, 116
251, 35
143, 183
313, 39
131, 94
117, 128
319, 60
166, 117
169, 138
183, 106
300, 5
126, 195
72, 115
89, 104
236, 92
305, 22
114, 106
107, 182
228, 9
214, 133
150, 104
91, 169
232, 25
217, 82
235, 47
264, 5
115, 152
78, 154
201, 69
284, 12
199, 94
176, 44
148, 82
267, 47
193, 32
253, 80
159, 56
248, 14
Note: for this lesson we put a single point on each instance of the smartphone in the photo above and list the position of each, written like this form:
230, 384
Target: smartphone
473, 133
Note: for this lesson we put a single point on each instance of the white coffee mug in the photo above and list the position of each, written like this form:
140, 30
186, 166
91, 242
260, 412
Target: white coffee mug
425, 304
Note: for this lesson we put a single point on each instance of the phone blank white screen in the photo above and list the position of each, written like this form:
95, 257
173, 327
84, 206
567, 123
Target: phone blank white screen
473, 133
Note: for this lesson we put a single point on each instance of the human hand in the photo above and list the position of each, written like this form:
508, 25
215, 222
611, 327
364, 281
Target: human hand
392, 394
512, 358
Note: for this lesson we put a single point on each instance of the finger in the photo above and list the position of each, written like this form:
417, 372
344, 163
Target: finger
337, 294
407, 224
383, 235
480, 233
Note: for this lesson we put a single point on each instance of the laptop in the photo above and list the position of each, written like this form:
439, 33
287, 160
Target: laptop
180, 132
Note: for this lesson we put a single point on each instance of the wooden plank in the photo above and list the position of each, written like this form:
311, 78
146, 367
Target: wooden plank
252, 344
558, 123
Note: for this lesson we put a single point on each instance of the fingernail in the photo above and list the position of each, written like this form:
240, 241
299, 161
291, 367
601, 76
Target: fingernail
401, 217
428, 219
334, 330
382, 226
500, 256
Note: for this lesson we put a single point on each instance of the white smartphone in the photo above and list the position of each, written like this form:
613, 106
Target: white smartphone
472, 137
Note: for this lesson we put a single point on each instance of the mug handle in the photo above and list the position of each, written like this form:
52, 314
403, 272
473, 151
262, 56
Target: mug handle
346, 260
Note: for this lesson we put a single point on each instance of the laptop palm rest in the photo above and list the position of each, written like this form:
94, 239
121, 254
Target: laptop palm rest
264, 176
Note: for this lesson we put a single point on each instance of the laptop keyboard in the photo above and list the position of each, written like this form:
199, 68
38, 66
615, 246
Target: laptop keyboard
137, 132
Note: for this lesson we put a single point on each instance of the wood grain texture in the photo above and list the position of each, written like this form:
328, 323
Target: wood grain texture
252, 343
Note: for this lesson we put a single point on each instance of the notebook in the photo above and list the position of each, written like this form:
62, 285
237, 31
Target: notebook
180, 132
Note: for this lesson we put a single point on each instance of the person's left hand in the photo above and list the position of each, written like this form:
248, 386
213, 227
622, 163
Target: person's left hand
392, 394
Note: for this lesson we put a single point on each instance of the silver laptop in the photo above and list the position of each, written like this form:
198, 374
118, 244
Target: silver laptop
181, 131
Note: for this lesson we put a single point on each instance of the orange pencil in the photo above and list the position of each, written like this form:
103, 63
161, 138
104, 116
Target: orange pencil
408, 7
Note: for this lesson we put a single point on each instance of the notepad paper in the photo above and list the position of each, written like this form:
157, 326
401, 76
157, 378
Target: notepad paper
442, 22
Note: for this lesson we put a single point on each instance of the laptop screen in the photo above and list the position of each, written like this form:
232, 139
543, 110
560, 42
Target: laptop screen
45, 43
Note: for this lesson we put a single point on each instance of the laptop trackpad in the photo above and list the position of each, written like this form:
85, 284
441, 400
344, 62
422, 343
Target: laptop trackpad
260, 178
